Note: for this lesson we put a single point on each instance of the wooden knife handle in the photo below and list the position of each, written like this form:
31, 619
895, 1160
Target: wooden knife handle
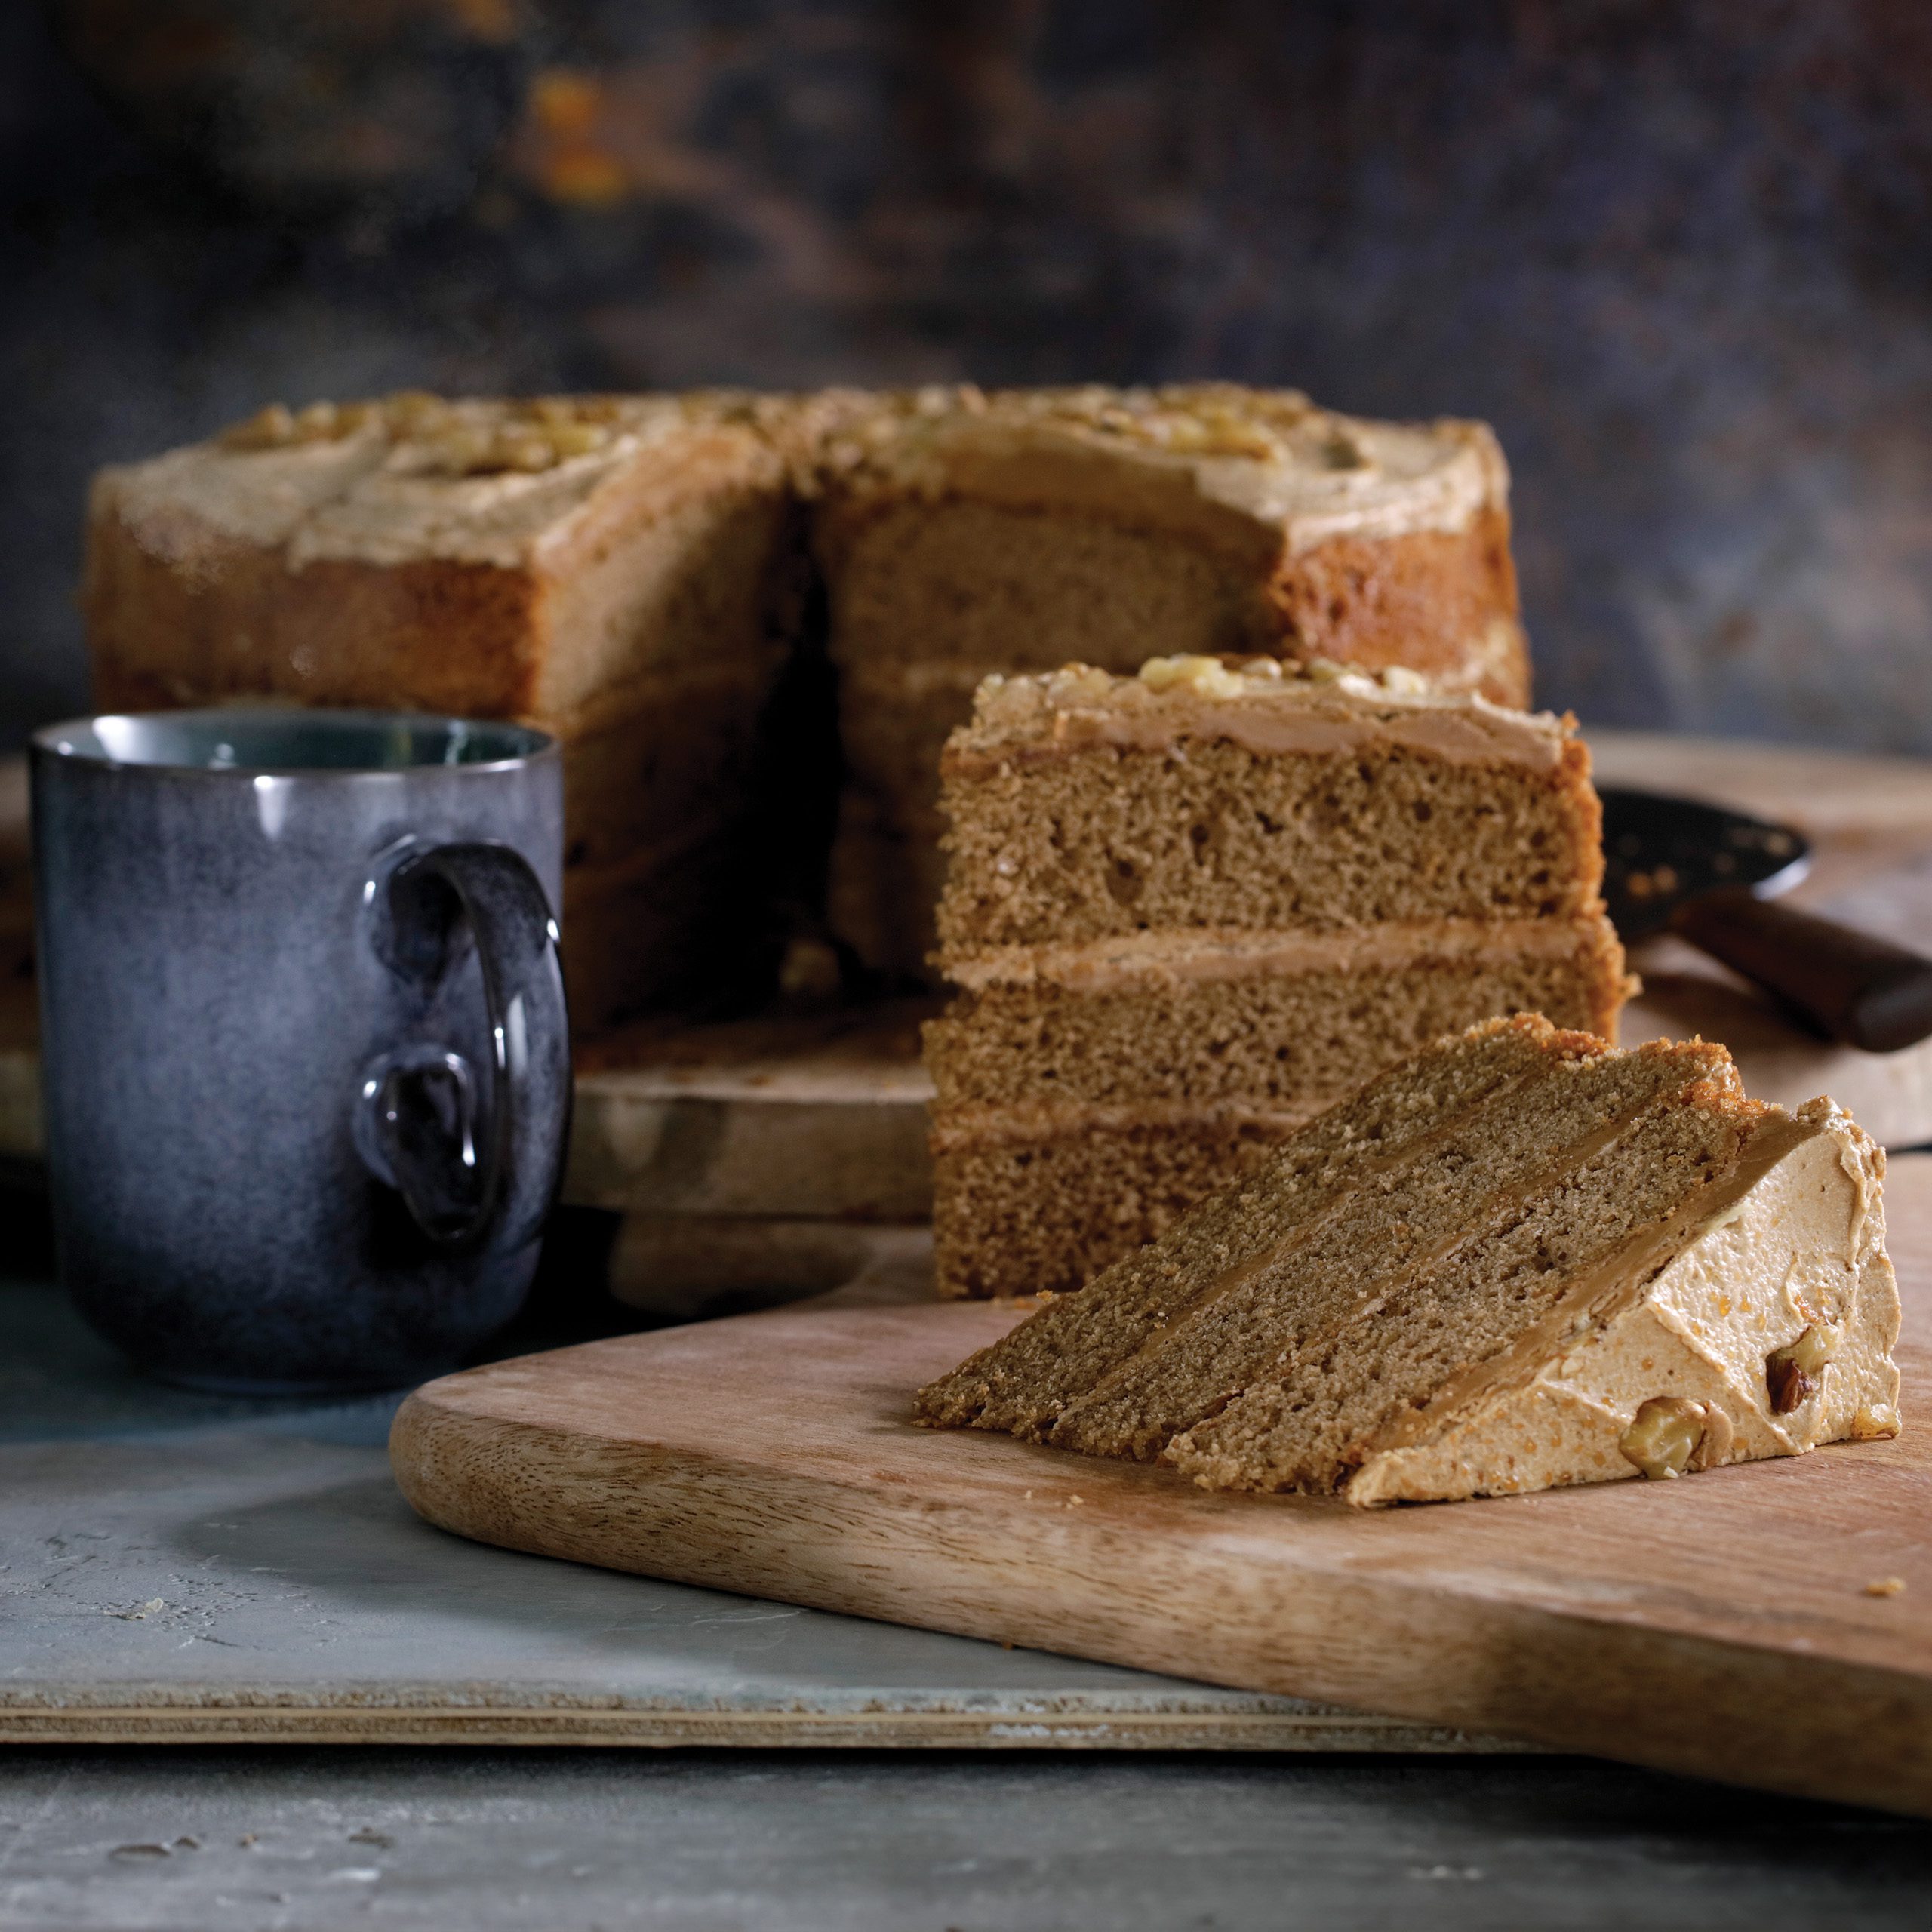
1848, 986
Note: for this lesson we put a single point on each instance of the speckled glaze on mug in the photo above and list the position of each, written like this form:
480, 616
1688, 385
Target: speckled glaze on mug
303, 1040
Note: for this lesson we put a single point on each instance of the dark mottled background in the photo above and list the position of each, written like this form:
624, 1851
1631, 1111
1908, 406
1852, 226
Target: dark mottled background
1680, 254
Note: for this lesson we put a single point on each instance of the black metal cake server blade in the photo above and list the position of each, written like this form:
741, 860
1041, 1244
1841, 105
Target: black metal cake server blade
1659, 851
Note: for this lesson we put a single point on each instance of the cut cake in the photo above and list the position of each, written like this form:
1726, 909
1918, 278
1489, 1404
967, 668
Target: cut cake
668, 583
960, 534
611, 570
1188, 910
1521, 1259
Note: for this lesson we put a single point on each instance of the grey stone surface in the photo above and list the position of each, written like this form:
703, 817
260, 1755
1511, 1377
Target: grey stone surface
161, 1549
222, 1841
189, 1546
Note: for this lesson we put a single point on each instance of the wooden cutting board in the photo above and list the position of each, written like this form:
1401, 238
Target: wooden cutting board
1719, 1625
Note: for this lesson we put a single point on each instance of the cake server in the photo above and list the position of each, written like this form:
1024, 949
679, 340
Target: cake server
1708, 875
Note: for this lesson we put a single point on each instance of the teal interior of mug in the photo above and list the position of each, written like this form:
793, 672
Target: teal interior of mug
286, 741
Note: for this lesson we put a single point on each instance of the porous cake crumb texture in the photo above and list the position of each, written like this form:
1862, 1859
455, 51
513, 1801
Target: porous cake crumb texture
1188, 910
1127, 840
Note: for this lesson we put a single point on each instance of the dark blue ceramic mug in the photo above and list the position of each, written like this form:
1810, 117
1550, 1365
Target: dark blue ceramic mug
303, 1041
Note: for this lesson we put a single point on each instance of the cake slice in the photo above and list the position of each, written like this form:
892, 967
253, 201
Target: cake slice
1521, 1259
961, 533
1188, 910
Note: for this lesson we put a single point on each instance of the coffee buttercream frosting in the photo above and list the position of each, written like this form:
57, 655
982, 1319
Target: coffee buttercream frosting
1260, 704
1271, 457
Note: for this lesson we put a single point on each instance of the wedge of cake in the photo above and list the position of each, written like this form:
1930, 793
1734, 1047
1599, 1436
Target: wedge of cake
961, 533
1521, 1259
1188, 910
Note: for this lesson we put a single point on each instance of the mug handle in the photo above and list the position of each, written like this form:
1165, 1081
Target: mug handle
416, 1115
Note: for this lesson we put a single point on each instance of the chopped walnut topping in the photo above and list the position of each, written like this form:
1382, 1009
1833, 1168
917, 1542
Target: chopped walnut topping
1874, 1423
1714, 1451
1395, 680
1790, 1387
533, 436
1791, 1374
415, 412
516, 448
559, 414
1207, 676
1205, 420
277, 427
1399, 677
1229, 677
570, 439
268, 428
316, 424
1072, 683
1210, 432
1663, 1436
460, 448
537, 438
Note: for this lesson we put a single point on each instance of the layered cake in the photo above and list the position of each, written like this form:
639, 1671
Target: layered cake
646, 576
615, 571
1188, 909
1521, 1259
1016, 531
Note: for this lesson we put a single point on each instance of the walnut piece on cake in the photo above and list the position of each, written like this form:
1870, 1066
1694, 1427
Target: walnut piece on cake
1520, 1259
1187, 909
